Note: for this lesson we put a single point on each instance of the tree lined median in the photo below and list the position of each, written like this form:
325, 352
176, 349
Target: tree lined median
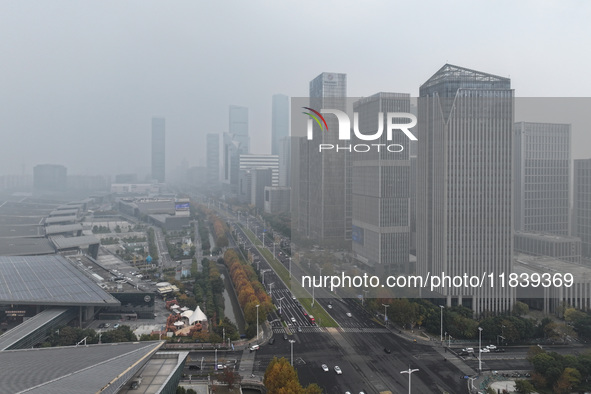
323, 319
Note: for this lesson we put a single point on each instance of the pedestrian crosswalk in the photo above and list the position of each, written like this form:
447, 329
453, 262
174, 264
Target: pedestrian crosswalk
281, 330
364, 330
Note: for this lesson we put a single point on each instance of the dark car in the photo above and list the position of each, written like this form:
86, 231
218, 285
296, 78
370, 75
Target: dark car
299, 329
271, 341
387, 350
197, 367
285, 337
498, 350
102, 325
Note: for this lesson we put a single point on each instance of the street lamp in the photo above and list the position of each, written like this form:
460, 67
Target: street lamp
290, 267
409, 372
441, 323
271, 290
312, 284
258, 322
449, 341
500, 336
280, 304
385, 315
291, 342
479, 349
274, 243
363, 299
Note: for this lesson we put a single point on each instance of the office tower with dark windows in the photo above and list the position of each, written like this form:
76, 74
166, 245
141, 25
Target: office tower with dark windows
212, 154
279, 122
464, 183
542, 177
381, 189
238, 127
324, 207
582, 206
158, 150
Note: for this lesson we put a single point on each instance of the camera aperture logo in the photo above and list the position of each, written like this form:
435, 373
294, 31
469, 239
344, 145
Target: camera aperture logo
344, 132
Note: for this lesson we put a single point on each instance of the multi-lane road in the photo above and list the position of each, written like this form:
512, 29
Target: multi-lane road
357, 346
370, 356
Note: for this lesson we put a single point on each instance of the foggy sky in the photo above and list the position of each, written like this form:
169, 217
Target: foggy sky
81, 80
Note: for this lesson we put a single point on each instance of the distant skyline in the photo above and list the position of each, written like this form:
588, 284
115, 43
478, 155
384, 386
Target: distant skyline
81, 81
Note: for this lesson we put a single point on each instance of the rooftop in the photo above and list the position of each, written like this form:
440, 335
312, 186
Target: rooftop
451, 72
65, 370
48, 280
62, 242
25, 246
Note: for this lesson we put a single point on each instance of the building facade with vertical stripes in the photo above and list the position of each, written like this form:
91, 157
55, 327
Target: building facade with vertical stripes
464, 183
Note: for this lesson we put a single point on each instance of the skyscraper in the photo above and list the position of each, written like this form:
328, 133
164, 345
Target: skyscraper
213, 158
248, 162
380, 190
582, 205
238, 127
279, 122
464, 183
324, 209
542, 173
158, 149
50, 178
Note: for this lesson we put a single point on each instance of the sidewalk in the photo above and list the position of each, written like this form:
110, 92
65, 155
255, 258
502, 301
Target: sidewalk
246, 366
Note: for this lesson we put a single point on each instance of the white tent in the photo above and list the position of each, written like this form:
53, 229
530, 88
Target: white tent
197, 316
187, 314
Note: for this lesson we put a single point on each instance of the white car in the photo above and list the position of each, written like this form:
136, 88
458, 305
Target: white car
485, 350
329, 306
293, 319
338, 370
325, 367
491, 347
349, 314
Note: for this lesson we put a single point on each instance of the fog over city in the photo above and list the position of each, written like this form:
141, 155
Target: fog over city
80, 81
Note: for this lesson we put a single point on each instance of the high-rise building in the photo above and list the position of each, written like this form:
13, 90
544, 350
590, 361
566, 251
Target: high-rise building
248, 162
279, 122
213, 158
231, 162
277, 199
158, 149
464, 183
50, 178
381, 190
238, 127
324, 206
542, 164
260, 178
582, 205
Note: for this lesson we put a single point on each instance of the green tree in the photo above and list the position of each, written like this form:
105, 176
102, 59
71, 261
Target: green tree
524, 387
520, 309
569, 379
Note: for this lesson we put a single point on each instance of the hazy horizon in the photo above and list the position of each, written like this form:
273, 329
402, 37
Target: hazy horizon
81, 81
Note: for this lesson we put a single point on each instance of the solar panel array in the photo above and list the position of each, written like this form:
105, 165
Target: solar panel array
48, 280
